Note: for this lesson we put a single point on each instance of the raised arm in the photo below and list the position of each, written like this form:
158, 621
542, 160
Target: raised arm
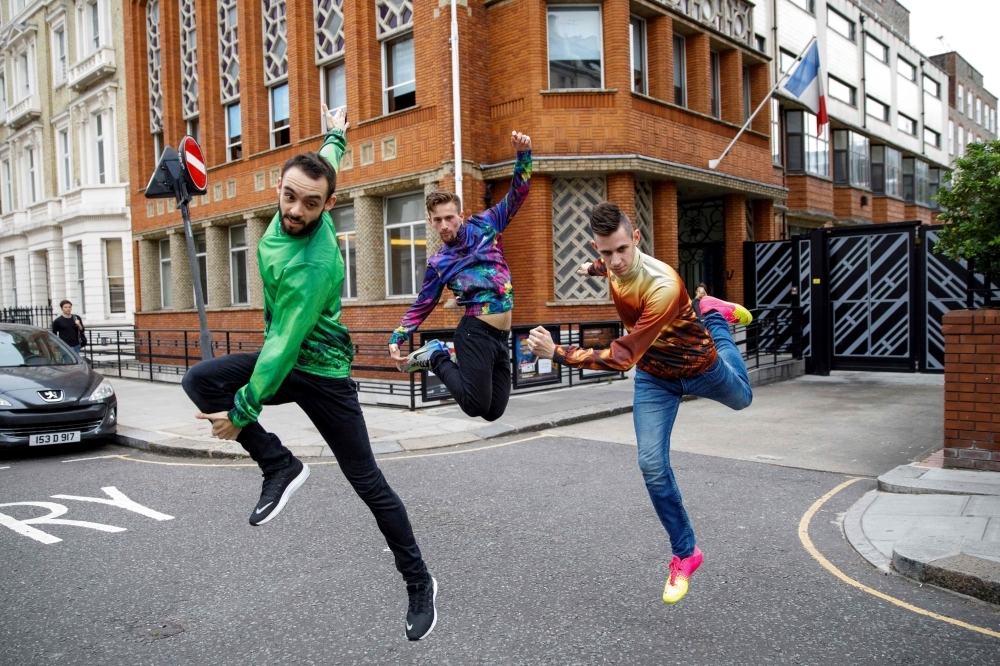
335, 142
303, 293
429, 295
499, 216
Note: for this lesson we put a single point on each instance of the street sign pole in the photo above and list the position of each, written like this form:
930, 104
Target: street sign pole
204, 336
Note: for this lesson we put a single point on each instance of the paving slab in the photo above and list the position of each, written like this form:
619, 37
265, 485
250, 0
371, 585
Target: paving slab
897, 527
952, 563
911, 479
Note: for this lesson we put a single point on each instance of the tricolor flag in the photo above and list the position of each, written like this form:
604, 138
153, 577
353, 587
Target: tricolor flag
806, 84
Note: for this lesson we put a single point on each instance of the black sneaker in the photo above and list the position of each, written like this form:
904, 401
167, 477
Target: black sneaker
422, 614
278, 487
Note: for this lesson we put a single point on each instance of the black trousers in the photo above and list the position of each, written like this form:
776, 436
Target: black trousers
480, 383
332, 405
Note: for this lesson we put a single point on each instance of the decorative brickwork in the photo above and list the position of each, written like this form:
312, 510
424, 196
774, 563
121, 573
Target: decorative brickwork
765, 226
433, 239
256, 227
665, 222
847, 204
368, 218
154, 66
329, 29
887, 209
736, 234
229, 51
149, 274
572, 201
644, 215
180, 273
913, 213
220, 293
189, 59
972, 389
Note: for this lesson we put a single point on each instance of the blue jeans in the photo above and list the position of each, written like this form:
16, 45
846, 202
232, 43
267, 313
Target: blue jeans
655, 408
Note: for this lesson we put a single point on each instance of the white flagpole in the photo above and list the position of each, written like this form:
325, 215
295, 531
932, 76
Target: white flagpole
712, 164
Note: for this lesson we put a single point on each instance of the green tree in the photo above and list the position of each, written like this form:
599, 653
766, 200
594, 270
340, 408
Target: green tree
971, 208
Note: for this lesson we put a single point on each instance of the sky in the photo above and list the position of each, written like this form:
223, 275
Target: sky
970, 27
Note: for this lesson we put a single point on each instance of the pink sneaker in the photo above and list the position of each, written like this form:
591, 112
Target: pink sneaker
734, 313
680, 572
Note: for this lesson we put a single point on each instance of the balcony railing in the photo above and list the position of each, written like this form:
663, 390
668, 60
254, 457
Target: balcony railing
24, 111
96, 66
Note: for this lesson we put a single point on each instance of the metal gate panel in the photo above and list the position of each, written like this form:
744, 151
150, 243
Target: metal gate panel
804, 250
870, 297
773, 268
945, 290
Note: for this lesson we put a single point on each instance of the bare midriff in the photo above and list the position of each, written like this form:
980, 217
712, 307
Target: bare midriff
498, 321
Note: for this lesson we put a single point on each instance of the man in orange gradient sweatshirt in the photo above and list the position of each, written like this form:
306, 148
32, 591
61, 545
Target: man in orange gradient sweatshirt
675, 354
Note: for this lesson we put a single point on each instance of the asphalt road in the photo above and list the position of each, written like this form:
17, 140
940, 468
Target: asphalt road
547, 551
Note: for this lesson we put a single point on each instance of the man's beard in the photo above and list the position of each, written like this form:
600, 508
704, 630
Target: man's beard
304, 231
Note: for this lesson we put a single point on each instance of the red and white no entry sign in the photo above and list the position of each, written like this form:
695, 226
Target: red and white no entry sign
195, 171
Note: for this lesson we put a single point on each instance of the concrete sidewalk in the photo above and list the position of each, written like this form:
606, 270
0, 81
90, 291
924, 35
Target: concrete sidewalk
934, 525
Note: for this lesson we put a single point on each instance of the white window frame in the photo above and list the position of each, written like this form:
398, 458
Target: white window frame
3, 91
979, 110
417, 271
60, 60
715, 83
31, 166
324, 86
600, 14
968, 103
274, 131
108, 277
349, 238
911, 124
199, 257
64, 158
911, 70
951, 137
851, 25
961, 98
10, 269
384, 48
680, 54
8, 185
230, 146
166, 286
233, 251
80, 283
884, 58
961, 141
101, 144
24, 83
193, 128
644, 60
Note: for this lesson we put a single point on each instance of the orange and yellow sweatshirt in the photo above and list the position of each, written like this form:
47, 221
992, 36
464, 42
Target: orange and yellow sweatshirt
664, 337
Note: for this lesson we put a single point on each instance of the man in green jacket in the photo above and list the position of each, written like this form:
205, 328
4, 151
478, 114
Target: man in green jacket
306, 359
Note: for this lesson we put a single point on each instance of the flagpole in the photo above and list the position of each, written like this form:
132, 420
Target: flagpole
712, 164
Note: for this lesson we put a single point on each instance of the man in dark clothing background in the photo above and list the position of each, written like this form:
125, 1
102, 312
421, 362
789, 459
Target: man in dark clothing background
69, 327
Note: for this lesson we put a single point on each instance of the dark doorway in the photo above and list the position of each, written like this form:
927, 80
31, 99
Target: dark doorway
701, 244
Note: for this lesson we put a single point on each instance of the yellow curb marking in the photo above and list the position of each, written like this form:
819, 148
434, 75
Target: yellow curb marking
811, 549
334, 462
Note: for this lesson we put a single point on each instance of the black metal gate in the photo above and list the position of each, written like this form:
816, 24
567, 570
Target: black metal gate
872, 297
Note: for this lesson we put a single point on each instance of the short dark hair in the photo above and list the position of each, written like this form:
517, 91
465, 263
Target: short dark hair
315, 167
438, 197
606, 218
64, 302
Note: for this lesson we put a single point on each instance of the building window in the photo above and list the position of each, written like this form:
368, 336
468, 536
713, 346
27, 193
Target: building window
59, 46
115, 267
335, 88
961, 141
775, 132
94, 25
238, 275
840, 23
166, 280
715, 76
968, 104
680, 70
916, 182
572, 201
746, 94
229, 52
234, 133
876, 48
877, 109
153, 69
194, 129
329, 17
189, 62
808, 144
201, 254
575, 47
906, 124
157, 146
851, 159
406, 244
3, 95
808, 5
8, 188
400, 90
64, 161
99, 147
760, 43
887, 167
11, 276
906, 69
979, 111
840, 90
637, 44
80, 291
951, 137
281, 133
931, 86
932, 138
29, 156
786, 59
933, 186
24, 73
961, 98
343, 222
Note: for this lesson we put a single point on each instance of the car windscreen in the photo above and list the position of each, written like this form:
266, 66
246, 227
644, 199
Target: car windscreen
21, 348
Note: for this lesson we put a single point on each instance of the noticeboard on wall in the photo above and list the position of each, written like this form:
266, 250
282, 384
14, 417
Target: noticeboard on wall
431, 386
528, 369
598, 335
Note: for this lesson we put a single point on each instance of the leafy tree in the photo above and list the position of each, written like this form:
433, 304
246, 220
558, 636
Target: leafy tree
971, 208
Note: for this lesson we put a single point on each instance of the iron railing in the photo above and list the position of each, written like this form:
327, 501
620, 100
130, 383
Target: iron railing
40, 316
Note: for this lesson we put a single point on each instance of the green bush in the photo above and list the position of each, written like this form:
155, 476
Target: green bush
970, 203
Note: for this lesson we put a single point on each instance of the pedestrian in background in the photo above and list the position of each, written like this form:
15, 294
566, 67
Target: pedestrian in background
69, 327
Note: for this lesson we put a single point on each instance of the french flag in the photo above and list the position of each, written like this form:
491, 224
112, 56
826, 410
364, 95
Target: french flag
806, 84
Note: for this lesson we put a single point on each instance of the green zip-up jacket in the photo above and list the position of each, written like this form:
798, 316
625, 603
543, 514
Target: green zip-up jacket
302, 279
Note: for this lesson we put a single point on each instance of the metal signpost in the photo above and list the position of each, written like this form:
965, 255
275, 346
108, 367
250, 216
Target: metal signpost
182, 174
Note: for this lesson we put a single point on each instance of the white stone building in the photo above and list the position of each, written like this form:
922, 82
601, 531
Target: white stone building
65, 229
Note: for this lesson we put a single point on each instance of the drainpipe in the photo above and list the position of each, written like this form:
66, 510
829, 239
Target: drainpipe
923, 111
864, 70
456, 98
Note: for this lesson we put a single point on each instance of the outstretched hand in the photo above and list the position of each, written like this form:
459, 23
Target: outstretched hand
222, 427
584, 268
396, 357
520, 142
540, 343
338, 119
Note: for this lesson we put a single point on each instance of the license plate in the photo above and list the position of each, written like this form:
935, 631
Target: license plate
54, 438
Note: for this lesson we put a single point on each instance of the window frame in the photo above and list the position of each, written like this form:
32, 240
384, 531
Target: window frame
882, 170
280, 135
961, 141
936, 143
809, 166
747, 96
108, 277
166, 286
193, 128
350, 238
851, 25
640, 23
916, 179
600, 22
951, 137
324, 83
80, 281
8, 176
30, 174
911, 122
961, 98
847, 169
885, 116
101, 161
937, 86
806, 5
234, 252
680, 61
884, 58
60, 56
852, 91
715, 84
385, 45
417, 276
979, 110
64, 159
234, 149
911, 73
777, 154
201, 257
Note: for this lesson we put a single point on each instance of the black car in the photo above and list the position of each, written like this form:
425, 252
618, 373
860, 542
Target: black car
48, 394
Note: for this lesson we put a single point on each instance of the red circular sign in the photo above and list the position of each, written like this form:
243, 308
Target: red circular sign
194, 163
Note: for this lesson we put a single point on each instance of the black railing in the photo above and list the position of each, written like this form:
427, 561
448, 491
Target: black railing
40, 316
165, 355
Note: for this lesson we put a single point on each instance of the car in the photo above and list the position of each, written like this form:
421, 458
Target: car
48, 393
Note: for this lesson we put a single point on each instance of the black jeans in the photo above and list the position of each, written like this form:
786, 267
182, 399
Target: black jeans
332, 405
480, 383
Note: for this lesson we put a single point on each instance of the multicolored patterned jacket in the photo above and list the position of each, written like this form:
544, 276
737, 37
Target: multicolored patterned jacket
473, 265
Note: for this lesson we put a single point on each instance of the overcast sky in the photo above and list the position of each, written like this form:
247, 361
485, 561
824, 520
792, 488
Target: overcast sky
971, 27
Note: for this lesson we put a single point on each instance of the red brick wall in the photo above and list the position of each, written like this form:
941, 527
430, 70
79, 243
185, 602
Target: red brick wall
847, 204
736, 234
913, 212
887, 209
809, 193
731, 85
699, 73
765, 226
972, 389
665, 241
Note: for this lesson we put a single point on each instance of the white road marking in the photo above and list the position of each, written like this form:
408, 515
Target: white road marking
5, 467
119, 500
116, 455
55, 510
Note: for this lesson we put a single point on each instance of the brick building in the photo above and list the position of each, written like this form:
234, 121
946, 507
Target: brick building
624, 100
881, 156
972, 110
65, 229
